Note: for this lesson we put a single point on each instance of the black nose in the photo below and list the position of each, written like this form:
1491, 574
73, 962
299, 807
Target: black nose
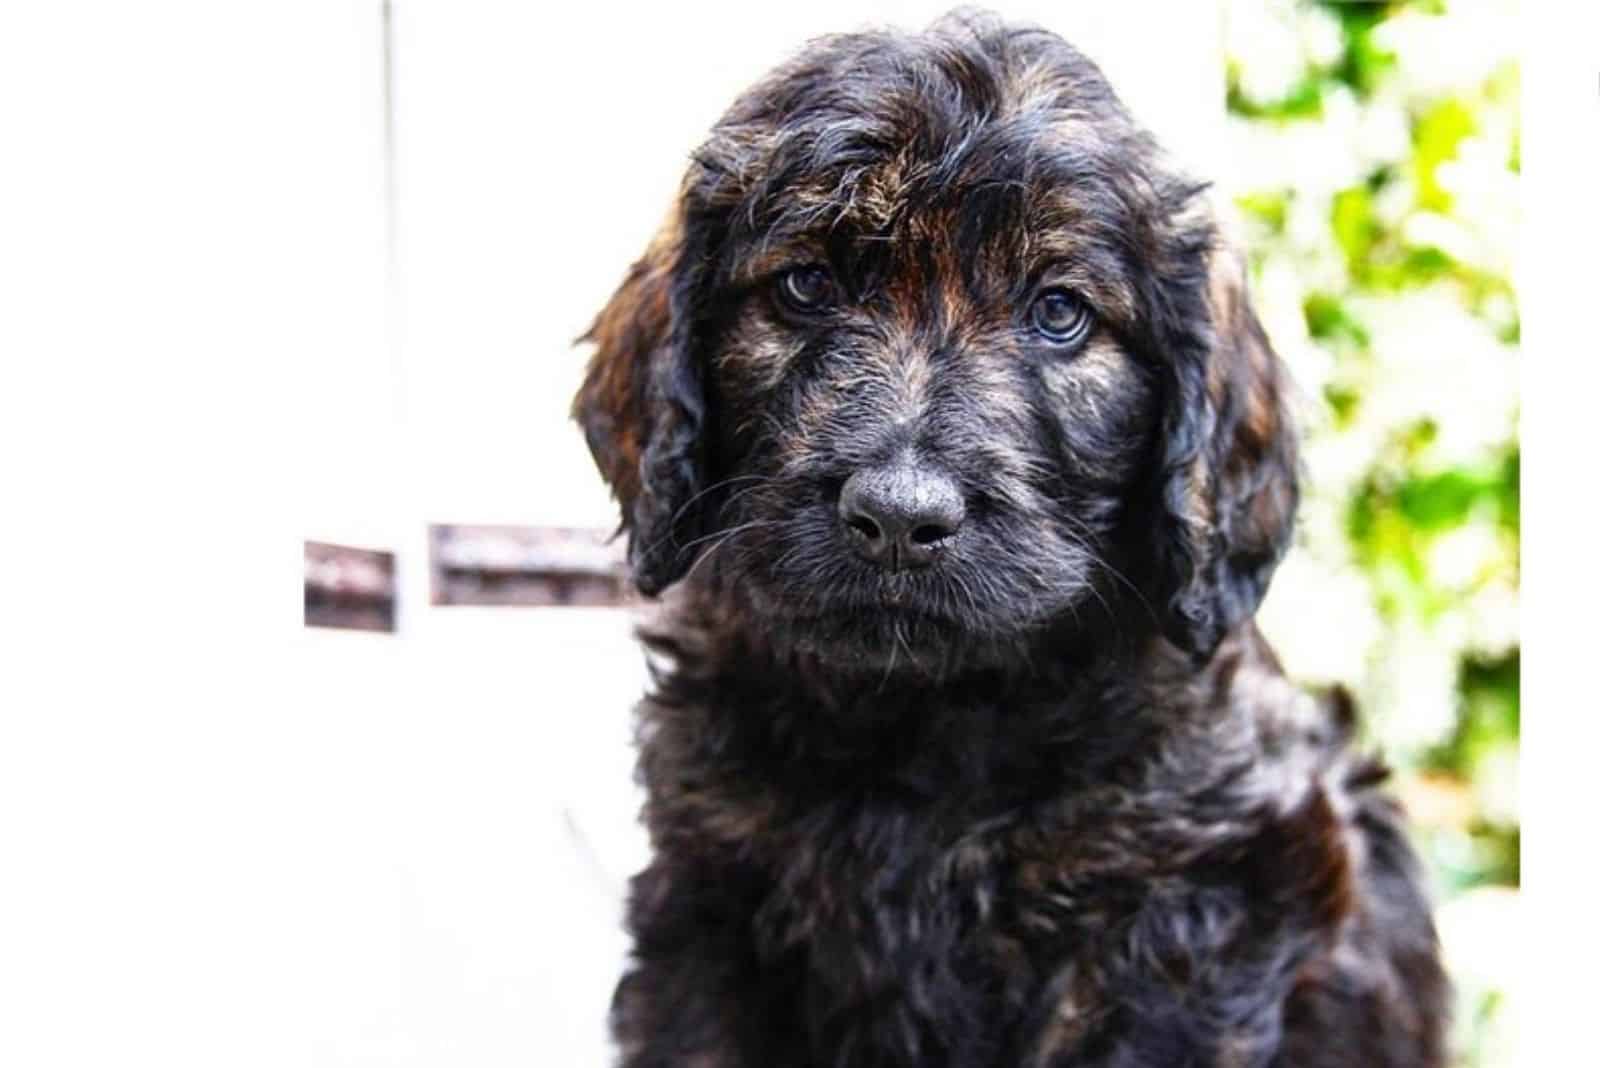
901, 516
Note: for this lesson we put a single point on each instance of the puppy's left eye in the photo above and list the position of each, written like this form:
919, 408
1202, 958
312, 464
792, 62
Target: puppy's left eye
806, 289
1061, 317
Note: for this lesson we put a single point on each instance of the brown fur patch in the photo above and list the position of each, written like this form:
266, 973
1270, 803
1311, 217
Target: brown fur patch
613, 403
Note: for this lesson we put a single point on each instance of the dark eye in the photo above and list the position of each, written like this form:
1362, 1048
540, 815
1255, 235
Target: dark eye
1061, 317
806, 289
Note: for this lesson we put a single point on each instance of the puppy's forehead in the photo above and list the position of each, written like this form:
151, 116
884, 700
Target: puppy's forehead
999, 158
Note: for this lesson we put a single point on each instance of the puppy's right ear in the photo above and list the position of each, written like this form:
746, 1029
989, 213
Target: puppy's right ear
642, 408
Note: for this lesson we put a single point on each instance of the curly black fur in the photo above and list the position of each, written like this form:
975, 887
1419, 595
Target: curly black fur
1047, 802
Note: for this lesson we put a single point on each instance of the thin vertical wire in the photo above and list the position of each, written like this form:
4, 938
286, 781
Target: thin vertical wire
412, 550
388, 137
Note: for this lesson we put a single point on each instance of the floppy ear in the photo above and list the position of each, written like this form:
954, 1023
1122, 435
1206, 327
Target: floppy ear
642, 407
1229, 484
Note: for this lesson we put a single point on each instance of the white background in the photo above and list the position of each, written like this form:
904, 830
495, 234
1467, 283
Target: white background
226, 840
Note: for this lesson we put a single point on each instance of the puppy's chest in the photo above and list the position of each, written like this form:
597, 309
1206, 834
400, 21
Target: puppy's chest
920, 945
905, 944
887, 887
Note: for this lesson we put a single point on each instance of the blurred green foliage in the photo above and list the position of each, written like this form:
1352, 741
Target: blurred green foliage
1377, 150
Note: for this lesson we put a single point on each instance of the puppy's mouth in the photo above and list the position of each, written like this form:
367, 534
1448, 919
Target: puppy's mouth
904, 597
882, 638
890, 607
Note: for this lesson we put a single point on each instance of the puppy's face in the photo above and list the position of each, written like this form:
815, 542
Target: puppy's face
934, 354
924, 396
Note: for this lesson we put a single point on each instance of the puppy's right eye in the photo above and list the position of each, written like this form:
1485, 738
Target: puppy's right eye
1060, 317
806, 289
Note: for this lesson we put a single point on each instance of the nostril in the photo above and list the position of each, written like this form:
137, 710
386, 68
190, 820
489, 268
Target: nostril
865, 527
901, 516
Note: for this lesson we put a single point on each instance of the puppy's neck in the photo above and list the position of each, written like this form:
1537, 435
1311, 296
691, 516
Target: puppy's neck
1057, 711
706, 630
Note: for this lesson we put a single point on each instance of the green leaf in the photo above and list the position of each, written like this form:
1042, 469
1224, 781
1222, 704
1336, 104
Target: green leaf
1363, 64
1345, 402
1436, 135
1302, 101
1329, 319
1510, 490
1355, 227
1270, 208
1439, 501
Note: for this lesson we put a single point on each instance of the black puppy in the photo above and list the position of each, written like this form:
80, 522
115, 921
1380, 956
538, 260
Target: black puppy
946, 418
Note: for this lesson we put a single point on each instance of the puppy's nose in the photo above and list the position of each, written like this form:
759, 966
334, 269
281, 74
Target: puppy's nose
901, 516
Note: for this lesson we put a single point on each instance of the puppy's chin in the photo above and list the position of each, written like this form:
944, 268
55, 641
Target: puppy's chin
902, 626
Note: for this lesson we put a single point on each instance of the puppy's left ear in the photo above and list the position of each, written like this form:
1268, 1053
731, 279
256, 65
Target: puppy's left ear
1229, 481
642, 406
